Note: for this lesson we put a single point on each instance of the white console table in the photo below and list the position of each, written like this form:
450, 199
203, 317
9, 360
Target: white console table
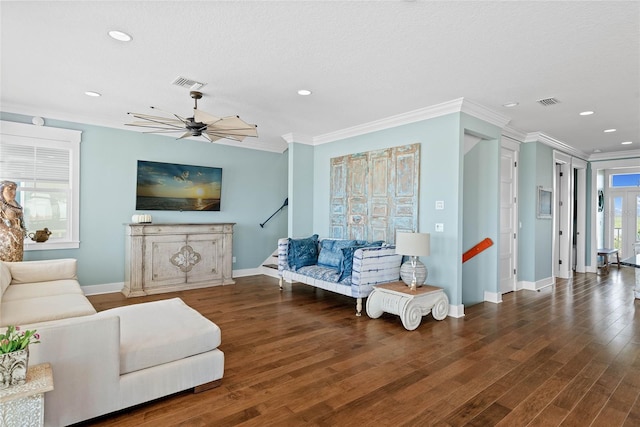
23, 405
173, 257
411, 306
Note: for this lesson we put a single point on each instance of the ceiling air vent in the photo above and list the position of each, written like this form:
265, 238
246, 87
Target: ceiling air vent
548, 101
188, 83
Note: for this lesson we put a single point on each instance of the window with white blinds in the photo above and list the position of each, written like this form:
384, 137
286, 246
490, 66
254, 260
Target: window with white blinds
44, 163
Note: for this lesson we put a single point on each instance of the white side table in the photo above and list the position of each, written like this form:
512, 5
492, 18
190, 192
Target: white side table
411, 306
23, 405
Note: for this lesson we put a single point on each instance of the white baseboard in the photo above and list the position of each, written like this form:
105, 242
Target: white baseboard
107, 288
592, 269
493, 297
536, 286
456, 310
110, 288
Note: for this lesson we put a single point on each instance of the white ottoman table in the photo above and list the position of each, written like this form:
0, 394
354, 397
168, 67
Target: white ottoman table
411, 306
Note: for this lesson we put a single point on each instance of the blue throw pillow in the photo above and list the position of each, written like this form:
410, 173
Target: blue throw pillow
346, 266
303, 252
331, 252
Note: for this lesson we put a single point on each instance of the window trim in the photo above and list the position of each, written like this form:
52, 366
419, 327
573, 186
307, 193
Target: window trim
70, 139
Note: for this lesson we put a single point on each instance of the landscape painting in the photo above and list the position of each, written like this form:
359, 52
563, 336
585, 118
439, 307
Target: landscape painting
175, 187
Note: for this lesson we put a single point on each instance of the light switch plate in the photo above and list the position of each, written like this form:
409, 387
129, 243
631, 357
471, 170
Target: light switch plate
439, 227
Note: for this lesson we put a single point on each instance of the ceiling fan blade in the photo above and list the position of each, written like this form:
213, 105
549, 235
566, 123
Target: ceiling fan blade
234, 125
202, 117
155, 120
220, 135
185, 135
182, 119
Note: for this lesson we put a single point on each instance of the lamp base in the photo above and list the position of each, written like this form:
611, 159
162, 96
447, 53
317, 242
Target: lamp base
406, 273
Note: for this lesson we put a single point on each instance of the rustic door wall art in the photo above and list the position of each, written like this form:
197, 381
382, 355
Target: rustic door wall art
375, 194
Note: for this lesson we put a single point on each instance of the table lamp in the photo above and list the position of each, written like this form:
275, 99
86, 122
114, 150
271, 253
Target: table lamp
413, 272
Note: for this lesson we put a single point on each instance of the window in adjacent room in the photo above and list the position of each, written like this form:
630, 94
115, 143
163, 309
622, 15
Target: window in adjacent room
45, 164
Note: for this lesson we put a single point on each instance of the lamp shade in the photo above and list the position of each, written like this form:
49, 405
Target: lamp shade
413, 244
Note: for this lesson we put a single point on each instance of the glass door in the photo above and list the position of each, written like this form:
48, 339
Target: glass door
624, 221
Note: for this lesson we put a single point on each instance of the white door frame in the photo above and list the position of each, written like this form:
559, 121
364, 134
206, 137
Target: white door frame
595, 167
581, 213
562, 215
514, 147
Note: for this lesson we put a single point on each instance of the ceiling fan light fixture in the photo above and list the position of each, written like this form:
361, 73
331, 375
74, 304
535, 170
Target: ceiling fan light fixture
208, 126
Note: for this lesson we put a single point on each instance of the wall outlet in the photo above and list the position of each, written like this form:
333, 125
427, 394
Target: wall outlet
439, 205
233, 259
439, 227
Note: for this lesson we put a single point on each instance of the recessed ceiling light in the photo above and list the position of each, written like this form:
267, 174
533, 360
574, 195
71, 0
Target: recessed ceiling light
597, 150
627, 142
510, 104
120, 36
609, 130
304, 92
91, 93
586, 113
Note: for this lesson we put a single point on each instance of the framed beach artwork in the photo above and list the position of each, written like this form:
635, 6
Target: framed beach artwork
176, 187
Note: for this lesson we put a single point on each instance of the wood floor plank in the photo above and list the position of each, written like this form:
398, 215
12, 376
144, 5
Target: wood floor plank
567, 354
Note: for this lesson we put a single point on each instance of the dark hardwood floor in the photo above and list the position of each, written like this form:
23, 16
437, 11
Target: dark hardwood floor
567, 355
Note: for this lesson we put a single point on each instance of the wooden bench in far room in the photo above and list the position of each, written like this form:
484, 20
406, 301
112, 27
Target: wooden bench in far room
604, 253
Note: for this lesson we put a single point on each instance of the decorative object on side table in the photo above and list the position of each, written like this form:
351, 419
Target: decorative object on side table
14, 355
413, 272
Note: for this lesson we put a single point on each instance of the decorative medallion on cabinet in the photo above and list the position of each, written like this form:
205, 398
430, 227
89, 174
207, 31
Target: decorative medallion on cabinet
173, 257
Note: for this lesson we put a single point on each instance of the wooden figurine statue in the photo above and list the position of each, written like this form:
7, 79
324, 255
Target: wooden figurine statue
12, 229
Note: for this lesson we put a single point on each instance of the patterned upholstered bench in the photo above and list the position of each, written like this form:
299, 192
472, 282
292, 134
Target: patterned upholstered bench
347, 267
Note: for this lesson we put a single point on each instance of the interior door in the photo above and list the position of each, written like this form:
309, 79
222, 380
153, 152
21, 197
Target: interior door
508, 220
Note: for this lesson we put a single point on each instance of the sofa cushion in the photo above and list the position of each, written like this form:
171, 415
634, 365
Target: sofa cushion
159, 332
303, 252
5, 278
42, 271
41, 309
42, 289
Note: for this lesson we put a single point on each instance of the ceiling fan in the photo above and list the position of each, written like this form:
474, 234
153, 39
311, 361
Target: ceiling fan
203, 124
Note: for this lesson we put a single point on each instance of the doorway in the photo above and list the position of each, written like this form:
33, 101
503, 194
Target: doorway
623, 221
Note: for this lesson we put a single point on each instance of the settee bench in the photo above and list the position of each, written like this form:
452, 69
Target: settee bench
347, 267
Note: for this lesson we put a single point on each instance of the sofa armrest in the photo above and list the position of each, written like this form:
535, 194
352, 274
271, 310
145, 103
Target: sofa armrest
283, 255
42, 271
375, 265
85, 359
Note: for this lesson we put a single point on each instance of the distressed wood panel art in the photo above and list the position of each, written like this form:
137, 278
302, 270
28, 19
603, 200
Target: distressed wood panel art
375, 194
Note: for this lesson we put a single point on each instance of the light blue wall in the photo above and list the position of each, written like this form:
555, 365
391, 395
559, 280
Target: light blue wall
440, 179
300, 190
481, 220
254, 185
535, 250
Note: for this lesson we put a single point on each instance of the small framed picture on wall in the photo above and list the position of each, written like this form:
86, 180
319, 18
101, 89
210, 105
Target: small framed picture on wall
545, 197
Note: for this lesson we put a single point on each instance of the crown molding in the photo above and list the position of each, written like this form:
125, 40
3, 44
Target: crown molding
514, 134
298, 137
555, 143
615, 155
458, 105
483, 113
391, 122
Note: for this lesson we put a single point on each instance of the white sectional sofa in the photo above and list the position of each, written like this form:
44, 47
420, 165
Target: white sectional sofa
107, 361
345, 266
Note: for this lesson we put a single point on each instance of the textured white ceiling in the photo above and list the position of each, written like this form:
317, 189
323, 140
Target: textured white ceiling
363, 60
